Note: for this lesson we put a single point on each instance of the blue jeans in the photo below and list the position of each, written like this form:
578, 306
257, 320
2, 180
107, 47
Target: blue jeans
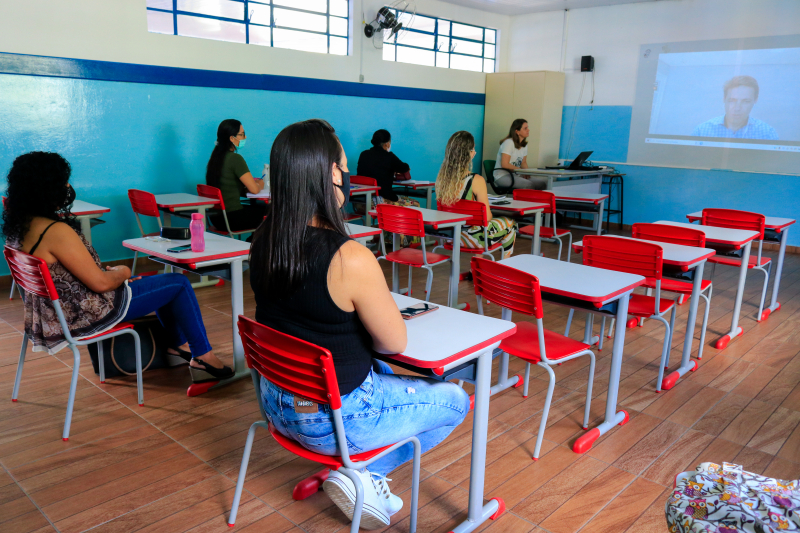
384, 409
172, 297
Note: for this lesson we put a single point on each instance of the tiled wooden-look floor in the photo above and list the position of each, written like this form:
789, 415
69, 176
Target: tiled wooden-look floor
171, 466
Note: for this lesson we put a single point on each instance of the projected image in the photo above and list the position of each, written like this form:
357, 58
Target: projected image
731, 94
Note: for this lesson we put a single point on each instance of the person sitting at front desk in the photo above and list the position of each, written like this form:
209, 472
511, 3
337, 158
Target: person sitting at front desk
512, 156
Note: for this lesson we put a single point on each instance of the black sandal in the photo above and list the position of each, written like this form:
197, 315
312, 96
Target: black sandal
183, 354
209, 373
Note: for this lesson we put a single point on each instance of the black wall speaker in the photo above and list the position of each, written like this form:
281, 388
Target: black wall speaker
587, 64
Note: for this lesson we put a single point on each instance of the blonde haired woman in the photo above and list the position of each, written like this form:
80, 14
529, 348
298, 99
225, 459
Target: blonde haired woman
456, 182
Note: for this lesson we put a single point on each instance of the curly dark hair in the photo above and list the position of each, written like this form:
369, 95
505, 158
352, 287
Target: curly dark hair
37, 187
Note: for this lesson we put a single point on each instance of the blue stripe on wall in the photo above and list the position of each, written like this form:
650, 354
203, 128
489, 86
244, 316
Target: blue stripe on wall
85, 69
602, 129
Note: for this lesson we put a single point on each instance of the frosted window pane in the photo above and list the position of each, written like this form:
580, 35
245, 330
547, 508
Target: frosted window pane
466, 63
443, 60
260, 35
216, 8
339, 46
467, 32
488, 65
298, 40
416, 56
413, 38
490, 36
258, 14
467, 47
444, 27
160, 4
418, 22
339, 8
388, 52
160, 22
443, 44
489, 51
338, 26
219, 30
320, 6
302, 21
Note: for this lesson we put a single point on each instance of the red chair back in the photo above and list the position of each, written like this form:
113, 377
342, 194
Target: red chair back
143, 203
735, 219
623, 255
475, 210
363, 180
507, 287
207, 191
670, 234
541, 197
5, 200
400, 220
30, 273
299, 367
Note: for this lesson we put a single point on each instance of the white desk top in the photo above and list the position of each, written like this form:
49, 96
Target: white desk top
581, 282
558, 172
82, 209
182, 199
518, 206
357, 231
447, 336
437, 219
776, 223
733, 237
674, 254
363, 189
579, 196
414, 184
217, 247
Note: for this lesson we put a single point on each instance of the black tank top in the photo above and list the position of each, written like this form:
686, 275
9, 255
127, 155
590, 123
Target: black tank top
310, 313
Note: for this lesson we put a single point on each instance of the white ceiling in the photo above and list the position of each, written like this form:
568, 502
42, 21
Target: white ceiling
520, 7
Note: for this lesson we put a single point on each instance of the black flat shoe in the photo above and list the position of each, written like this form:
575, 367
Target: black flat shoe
209, 373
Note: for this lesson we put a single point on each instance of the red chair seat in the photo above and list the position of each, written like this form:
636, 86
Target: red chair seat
525, 344
737, 261
674, 285
410, 256
492, 248
643, 306
118, 327
544, 232
334, 462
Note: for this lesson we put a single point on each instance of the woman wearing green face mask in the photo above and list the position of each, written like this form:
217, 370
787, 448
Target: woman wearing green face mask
228, 172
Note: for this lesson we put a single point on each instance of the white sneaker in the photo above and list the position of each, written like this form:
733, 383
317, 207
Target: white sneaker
341, 490
391, 503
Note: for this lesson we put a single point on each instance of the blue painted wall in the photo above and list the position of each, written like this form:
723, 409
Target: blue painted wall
658, 193
158, 138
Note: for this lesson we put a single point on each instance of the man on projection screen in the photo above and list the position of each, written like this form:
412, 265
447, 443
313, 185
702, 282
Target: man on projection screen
740, 95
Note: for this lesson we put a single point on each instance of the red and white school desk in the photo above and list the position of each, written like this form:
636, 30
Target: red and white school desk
596, 291
580, 202
775, 226
355, 190
444, 345
729, 238
85, 212
357, 231
415, 185
683, 259
181, 201
436, 220
223, 257
520, 208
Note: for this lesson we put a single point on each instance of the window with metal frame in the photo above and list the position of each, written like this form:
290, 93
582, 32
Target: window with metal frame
311, 25
439, 42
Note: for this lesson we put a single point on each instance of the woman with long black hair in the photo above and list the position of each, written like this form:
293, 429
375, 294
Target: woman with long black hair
313, 282
37, 220
227, 171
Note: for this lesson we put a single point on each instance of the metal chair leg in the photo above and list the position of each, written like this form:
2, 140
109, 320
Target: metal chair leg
602, 334
428, 285
101, 361
589, 389
569, 247
138, 347
359, 498
543, 424
559, 248
665, 350
73, 386
133, 267
13, 286
408, 290
248, 445
569, 322
705, 321
17, 380
527, 380
766, 272
415, 484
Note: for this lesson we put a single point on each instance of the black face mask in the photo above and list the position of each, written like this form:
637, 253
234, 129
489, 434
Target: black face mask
345, 187
70, 197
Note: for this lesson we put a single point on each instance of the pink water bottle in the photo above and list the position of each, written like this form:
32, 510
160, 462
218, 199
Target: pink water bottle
197, 228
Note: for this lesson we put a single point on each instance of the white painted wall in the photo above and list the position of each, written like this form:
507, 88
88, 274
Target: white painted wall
116, 30
613, 35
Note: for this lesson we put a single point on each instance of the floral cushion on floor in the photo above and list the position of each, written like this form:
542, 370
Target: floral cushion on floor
726, 499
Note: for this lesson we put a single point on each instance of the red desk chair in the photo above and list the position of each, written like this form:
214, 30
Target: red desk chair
307, 370
207, 191
143, 203
360, 180
519, 291
33, 276
549, 234
734, 219
13, 283
407, 221
477, 212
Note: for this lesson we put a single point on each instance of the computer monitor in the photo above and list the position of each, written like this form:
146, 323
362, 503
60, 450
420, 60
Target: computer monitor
577, 164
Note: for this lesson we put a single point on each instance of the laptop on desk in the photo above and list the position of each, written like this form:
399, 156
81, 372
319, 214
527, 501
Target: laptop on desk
577, 163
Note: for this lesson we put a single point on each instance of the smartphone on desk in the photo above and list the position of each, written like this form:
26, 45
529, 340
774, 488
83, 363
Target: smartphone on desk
417, 310
179, 249
500, 202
